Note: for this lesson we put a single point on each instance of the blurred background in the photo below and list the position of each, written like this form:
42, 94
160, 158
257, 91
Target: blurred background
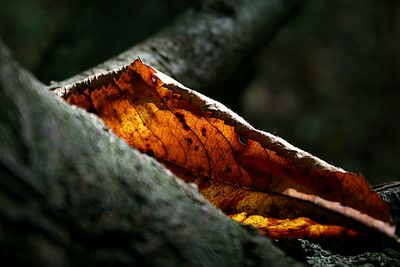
329, 81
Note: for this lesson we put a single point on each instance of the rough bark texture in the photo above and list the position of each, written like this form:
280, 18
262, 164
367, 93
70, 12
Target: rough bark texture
72, 193
206, 43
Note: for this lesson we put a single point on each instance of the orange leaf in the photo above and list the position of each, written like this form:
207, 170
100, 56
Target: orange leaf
238, 168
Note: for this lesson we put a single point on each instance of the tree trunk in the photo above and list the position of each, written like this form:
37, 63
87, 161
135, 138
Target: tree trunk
72, 193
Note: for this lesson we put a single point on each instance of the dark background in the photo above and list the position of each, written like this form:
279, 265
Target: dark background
328, 82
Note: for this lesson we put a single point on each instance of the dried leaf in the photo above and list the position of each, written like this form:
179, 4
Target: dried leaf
238, 168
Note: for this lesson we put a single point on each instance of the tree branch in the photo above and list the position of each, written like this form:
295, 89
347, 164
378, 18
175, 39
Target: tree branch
205, 44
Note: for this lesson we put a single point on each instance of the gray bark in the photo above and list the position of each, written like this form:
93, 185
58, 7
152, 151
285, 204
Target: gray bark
206, 43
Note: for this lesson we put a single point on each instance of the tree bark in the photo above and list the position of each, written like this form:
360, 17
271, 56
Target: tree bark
206, 43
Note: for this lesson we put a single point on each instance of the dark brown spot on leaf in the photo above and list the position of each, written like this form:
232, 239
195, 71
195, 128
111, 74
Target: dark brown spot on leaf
204, 132
150, 152
182, 120
243, 140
